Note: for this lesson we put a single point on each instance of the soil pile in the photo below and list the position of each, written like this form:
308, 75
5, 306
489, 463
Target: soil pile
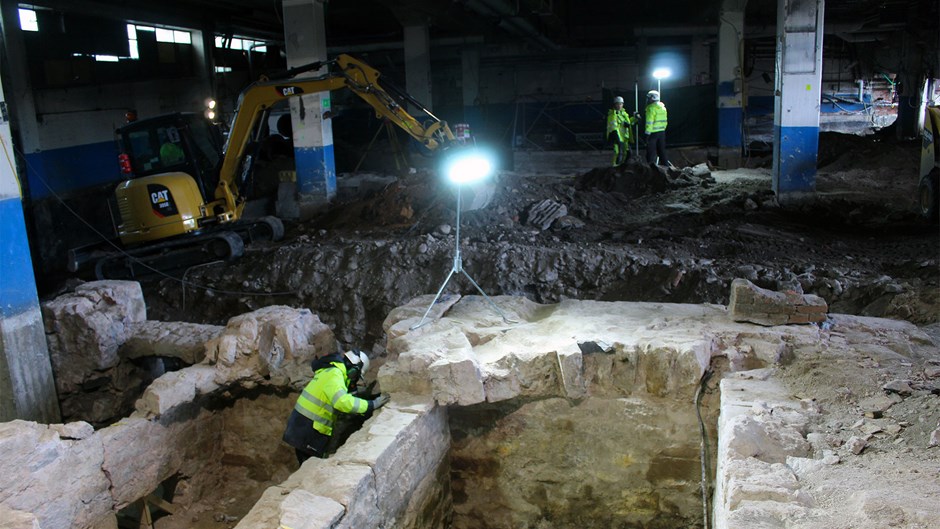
634, 179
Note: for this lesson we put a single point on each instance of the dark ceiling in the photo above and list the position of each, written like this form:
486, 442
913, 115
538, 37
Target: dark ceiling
543, 24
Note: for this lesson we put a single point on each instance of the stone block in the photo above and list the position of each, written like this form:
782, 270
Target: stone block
140, 453
571, 366
266, 512
12, 519
750, 303
176, 388
74, 430
400, 320
186, 341
755, 480
768, 440
167, 392
86, 328
58, 481
274, 343
303, 510
350, 485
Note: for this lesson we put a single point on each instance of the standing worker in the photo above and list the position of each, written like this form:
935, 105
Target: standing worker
310, 425
618, 131
655, 129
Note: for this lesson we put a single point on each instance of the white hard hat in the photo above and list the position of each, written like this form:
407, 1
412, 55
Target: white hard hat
618, 99
356, 358
652, 95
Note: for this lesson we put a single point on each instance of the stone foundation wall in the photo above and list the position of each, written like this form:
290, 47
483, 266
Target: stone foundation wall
73, 477
393, 473
70, 477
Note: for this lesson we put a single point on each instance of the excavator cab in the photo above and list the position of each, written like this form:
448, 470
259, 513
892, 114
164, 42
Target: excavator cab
180, 142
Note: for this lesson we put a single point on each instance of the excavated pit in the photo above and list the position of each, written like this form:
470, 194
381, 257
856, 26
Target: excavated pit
574, 414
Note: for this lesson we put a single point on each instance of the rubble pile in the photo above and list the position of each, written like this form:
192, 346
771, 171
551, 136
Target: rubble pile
635, 179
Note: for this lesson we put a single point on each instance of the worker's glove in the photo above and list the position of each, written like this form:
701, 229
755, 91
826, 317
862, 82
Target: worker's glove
382, 400
364, 392
636, 115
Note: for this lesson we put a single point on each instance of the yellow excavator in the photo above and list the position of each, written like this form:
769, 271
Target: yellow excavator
185, 196
928, 192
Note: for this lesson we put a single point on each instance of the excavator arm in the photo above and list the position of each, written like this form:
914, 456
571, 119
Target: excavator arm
345, 72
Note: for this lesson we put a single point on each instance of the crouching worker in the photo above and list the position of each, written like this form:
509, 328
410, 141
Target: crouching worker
310, 425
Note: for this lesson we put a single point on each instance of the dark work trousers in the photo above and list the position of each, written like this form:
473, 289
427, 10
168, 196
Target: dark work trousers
656, 146
306, 441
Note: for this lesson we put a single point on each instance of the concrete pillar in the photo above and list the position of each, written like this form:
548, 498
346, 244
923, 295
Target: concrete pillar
27, 389
203, 44
910, 100
796, 100
305, 42
470, 60
418, 64
730, 83
700, 70
24, 111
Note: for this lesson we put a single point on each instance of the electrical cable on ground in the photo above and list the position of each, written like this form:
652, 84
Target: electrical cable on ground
703, 451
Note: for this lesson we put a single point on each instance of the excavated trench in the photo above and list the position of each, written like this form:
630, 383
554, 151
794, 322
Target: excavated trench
625, 455
353, 280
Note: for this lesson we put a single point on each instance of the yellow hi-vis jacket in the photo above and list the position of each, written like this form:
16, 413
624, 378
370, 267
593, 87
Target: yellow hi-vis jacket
655, 117
619, 121
325, 394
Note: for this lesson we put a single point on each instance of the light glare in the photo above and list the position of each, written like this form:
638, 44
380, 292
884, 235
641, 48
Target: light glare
469, 168
662, 73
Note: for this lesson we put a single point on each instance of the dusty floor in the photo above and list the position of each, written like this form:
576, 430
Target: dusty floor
880, 415
633, 235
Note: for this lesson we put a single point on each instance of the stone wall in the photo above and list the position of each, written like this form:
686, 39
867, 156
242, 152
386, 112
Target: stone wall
393, 473
73, 477
70, 477
579, 414
94, 335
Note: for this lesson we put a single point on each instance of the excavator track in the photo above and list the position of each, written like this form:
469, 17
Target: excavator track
180, 253
225, 243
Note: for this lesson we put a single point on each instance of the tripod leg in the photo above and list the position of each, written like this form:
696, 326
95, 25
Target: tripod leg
492, 304
444, 284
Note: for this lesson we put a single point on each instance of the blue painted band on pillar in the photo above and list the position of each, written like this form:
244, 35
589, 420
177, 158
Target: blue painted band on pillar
729, 127
316, 170
18, 286
796, 172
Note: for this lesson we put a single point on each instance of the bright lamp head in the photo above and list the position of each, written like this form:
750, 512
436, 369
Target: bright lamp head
661, 73
467, 167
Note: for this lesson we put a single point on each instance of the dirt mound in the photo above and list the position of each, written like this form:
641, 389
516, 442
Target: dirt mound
847, 152
635, 179
396, 205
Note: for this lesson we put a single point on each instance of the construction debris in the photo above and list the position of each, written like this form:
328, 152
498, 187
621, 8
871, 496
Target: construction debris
764, 307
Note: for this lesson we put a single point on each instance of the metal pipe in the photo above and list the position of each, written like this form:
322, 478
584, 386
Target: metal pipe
636, 122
